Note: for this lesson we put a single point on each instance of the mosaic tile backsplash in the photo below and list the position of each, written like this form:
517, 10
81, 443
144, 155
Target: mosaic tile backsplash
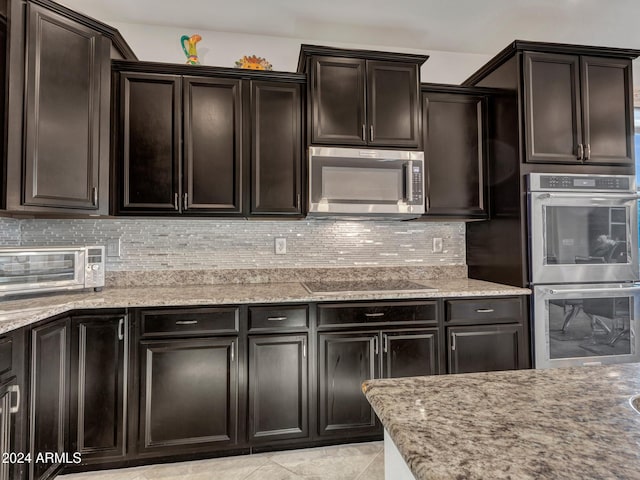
185, 244
9, 232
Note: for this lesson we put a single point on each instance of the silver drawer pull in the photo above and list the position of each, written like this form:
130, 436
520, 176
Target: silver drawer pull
484, 310
276, 319
186, 322
379, 314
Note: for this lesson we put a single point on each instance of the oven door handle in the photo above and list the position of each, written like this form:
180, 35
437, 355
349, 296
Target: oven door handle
633, 288
599, 195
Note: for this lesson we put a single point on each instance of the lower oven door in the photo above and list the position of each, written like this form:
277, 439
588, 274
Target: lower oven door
586, 324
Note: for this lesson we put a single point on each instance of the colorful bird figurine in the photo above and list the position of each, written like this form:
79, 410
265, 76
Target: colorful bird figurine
189, 47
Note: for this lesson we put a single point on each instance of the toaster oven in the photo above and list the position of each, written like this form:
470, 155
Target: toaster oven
29, 270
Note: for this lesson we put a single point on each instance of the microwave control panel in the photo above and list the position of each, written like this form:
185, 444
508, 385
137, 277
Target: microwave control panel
417, 184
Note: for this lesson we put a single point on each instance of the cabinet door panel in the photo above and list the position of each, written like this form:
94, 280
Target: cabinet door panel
552, 107
276, 148
150, 142
607, 109
346, 360
394, 104
410, 354
338, 101
189, 394
454, 154
486, 348
97, 390
212, 140
62, 146
49, 401
278, 387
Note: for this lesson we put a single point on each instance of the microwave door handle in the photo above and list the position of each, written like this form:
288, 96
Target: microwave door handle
408, 182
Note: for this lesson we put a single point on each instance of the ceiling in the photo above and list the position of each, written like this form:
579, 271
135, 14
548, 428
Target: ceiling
470, 26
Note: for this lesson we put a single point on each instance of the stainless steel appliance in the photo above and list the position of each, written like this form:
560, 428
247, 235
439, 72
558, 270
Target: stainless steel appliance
25, 270
586, 324
583, 251
365, 183
583, 228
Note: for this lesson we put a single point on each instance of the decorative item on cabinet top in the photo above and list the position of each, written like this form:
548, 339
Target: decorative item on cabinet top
253, 63
189, 44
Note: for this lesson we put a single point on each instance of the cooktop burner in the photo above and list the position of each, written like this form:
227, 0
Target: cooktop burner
368, 286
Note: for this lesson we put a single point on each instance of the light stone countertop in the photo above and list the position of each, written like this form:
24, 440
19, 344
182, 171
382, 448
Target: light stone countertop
562, 423
20, 312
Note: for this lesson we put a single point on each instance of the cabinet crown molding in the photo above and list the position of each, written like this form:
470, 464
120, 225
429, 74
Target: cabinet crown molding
307, 51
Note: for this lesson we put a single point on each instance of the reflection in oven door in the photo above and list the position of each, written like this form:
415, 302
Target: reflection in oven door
586, 324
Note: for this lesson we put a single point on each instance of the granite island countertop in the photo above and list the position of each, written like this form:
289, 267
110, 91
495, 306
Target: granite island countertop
20, 312
561, 423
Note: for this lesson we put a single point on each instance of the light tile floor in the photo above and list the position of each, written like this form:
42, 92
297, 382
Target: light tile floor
361, 461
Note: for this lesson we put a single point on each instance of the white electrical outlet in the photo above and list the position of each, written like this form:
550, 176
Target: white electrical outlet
281, 246
437, 245
113, 247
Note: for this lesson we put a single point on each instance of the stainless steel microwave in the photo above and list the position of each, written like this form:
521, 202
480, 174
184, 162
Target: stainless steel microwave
354, 182
25, 270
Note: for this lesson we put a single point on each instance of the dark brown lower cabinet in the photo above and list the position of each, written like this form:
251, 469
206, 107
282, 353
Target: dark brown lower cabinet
410, 353
486, 348
49, 408
278, 387
97, 389
188, 395
346, 359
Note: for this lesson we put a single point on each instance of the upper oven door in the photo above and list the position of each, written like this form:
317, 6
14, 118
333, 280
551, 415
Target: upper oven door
583, 237
355, 181
586, 324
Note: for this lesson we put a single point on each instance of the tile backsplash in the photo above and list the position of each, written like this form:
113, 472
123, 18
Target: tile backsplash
194, 244
9, 232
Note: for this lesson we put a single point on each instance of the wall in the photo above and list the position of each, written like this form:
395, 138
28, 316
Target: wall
183, 244
222, 49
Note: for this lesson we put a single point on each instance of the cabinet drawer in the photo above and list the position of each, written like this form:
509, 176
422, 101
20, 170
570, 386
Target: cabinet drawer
189, 321
281, 317
373, 313
484, 310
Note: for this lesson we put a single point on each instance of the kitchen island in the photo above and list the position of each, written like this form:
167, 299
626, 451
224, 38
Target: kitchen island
572, 423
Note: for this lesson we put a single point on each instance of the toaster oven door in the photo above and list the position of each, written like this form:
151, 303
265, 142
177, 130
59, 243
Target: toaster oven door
25, 271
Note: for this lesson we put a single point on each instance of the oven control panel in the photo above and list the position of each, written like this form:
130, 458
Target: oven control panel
614, 183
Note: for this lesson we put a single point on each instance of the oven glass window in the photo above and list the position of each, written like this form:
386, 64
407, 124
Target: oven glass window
37, 268
586, 235
590, 327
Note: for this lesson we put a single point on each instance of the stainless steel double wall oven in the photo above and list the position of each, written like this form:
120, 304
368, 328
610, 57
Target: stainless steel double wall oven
583, 251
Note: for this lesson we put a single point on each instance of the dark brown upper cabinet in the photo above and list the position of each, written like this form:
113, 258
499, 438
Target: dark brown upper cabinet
360, 97
574, 103
149, 134
58, 110
220, 143
276, 148
455, 150
578, 109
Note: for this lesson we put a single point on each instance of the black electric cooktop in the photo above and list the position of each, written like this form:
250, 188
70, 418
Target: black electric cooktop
367, 286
